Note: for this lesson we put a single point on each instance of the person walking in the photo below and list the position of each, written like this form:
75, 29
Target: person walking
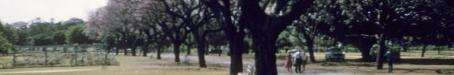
298, 59
288, 62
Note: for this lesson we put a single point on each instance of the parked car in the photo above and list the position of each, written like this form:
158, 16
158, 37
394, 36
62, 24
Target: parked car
334, 54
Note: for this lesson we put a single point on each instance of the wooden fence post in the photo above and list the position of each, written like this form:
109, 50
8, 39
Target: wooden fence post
65, 49
45, 56
14, 58
106, 54
75, 55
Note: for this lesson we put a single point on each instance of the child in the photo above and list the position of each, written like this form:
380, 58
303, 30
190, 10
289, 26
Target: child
288, 62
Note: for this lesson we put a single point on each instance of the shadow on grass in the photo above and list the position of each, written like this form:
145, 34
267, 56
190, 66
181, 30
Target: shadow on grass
348, 62
439, 71
419, 61
428, 61
415, 61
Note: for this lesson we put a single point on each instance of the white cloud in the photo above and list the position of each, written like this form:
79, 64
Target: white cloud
26, 10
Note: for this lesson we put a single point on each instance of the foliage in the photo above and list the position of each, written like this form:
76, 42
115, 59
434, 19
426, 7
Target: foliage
23, 37
358, 23
75, 35
40, 32
7, 38
5, 45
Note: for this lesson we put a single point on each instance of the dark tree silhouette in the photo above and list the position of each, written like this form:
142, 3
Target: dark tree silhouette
225, 10
266, 23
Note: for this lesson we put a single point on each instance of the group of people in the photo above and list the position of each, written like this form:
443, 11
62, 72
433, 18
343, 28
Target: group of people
296, 58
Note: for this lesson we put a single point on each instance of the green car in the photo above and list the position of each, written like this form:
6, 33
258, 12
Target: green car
334, 54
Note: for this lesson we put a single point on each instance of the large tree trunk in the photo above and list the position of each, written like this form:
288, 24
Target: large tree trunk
265, 54
365, 52
423, 50
176, 51
200, 48
310, 47
134, 51
450, 2
125, 51
439, 48
236, 48
364, 46
309, 38
117, 51
145, 50
158, 52
201, 54
405, 48
236, 39
381, 52
188, 47
309, 43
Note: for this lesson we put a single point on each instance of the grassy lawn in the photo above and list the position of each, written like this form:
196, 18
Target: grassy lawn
412, 64
5, 59
133, 71
129, 66
5, 62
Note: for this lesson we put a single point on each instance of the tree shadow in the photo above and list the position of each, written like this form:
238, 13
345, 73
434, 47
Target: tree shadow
415, 61
412, 70
421, 61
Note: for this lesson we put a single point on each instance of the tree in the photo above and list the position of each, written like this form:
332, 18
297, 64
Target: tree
73, 21
59, 38
384, 20
196, 17
41, 32
120, 18
5, 45
227, 15
305, 28
23, 38
173, 28
9, 33
76, 35
265, 23
7, 38
264, 27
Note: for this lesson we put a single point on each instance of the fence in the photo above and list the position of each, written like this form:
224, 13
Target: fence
60, 55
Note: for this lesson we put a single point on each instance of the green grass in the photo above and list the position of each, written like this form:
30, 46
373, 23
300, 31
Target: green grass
5, 62
412, 64
130, 65
429, 54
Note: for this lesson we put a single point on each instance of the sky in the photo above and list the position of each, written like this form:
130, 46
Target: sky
26, 10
